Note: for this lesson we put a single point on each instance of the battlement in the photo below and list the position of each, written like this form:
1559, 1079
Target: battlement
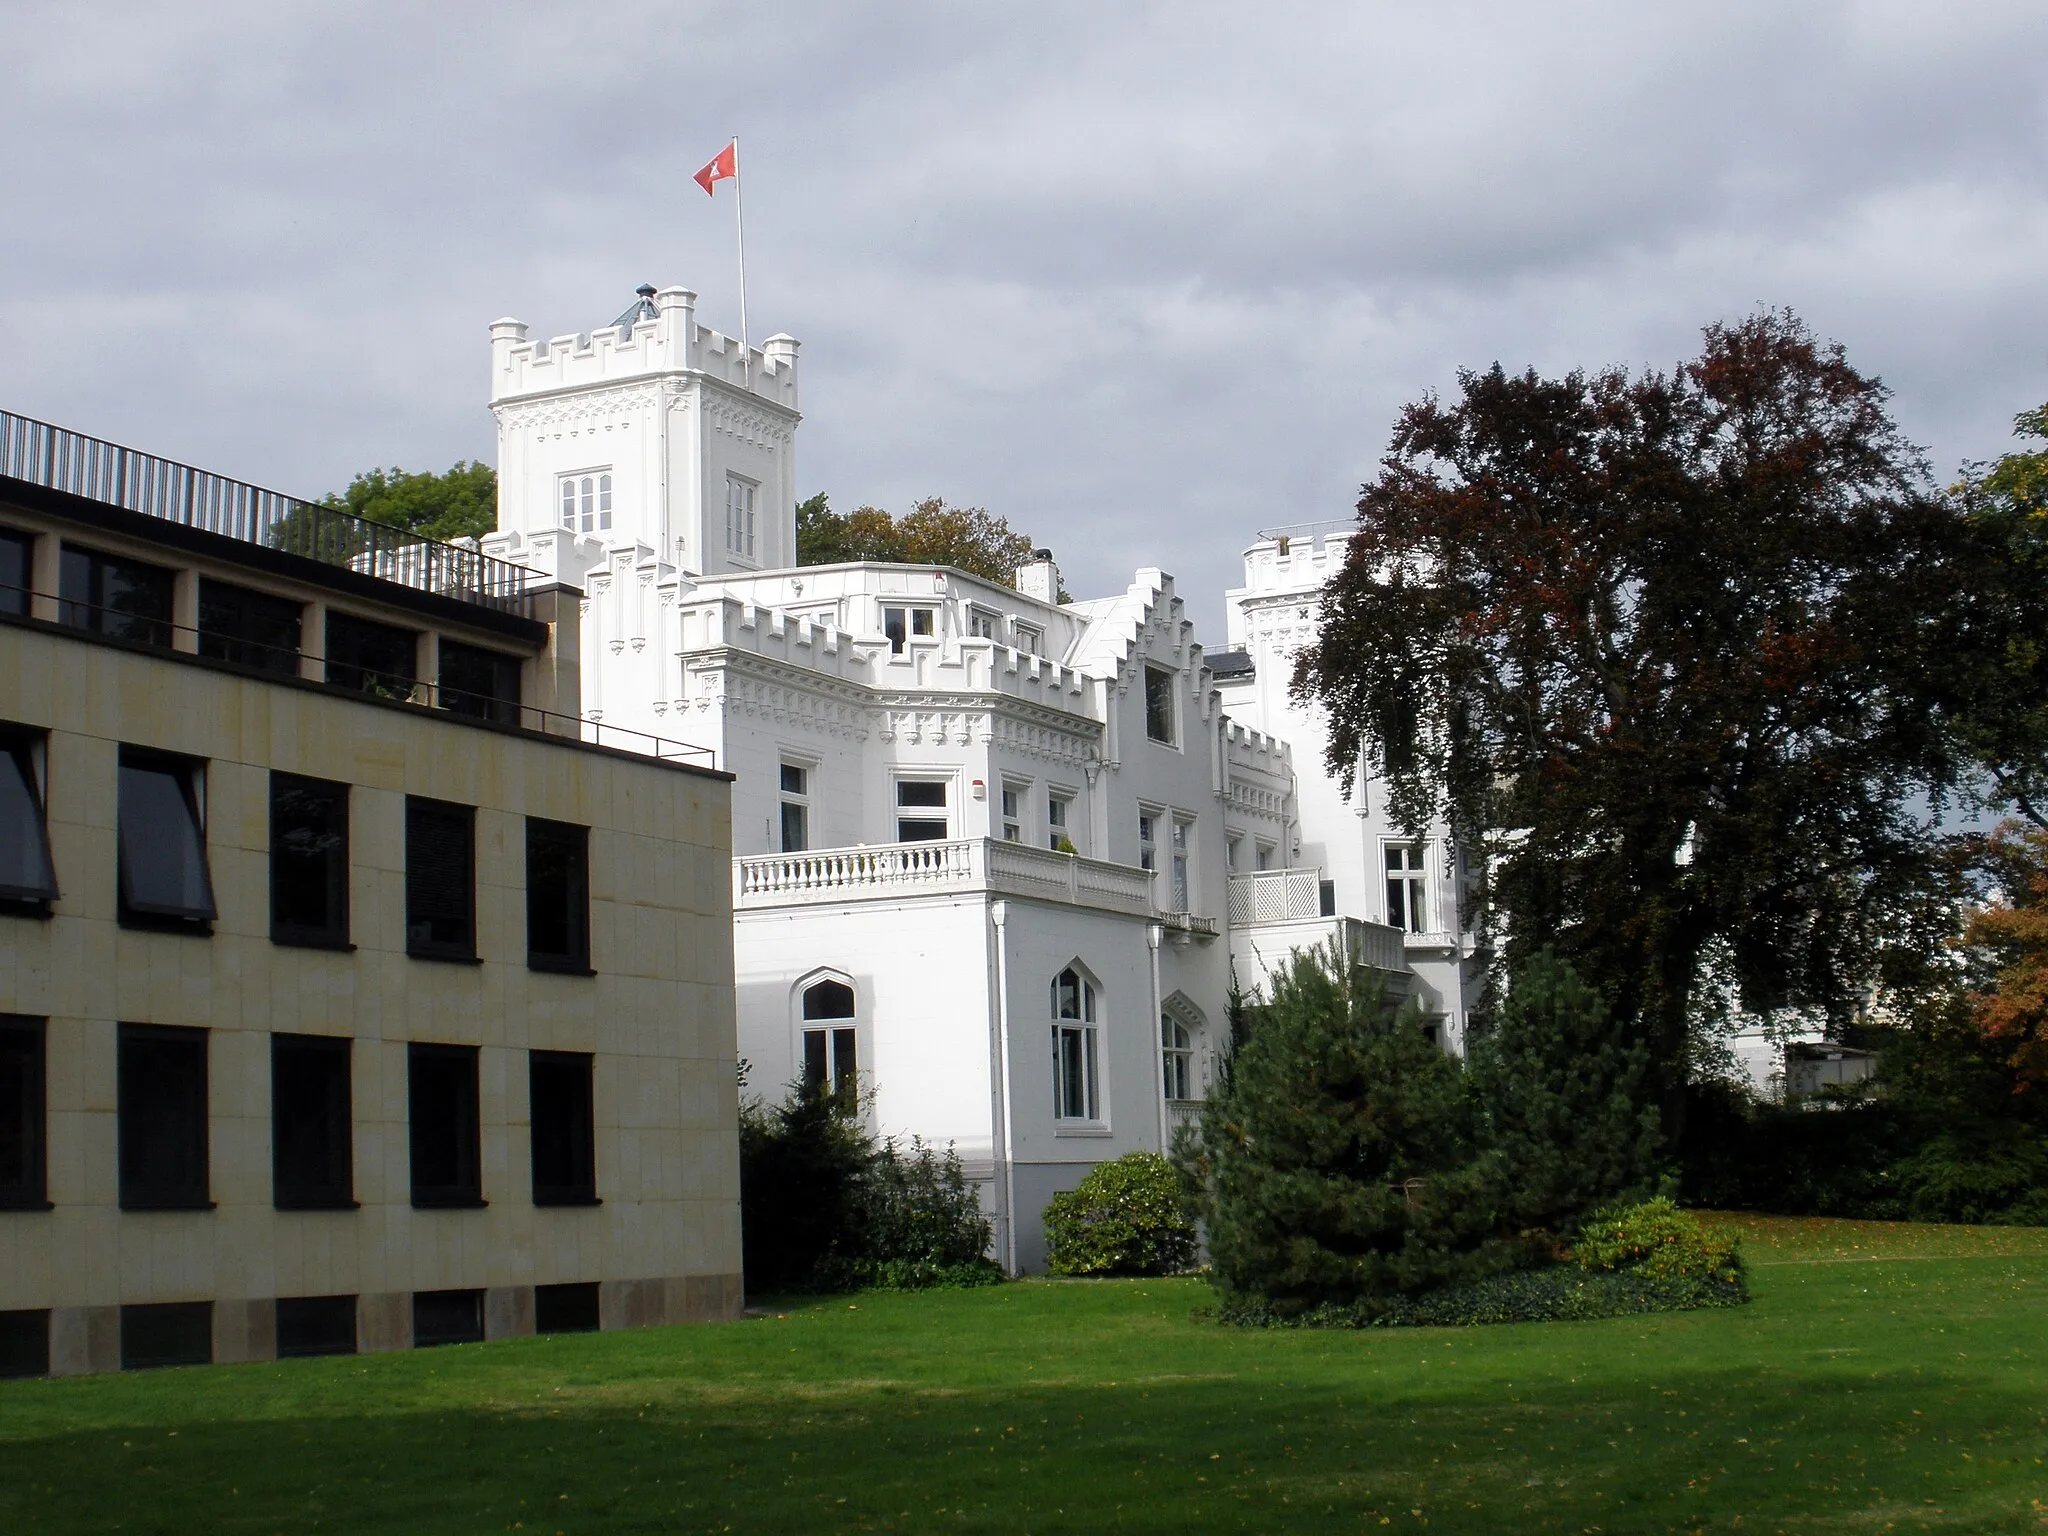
1281, 562
1255, 750
950, 663
664, 339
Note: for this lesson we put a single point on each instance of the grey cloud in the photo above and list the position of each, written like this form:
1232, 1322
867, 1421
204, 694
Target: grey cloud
1143, 277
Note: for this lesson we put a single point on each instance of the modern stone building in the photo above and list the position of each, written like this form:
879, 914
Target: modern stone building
350, 997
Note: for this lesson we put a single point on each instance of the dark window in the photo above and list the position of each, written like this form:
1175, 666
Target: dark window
371, 657
111, 596
447, 1317
1159, 704
308, 861
163, 875
557, 896
913, 796
440, 880
563, 1128
831, 1064
478, 682
24, 1344
831, 1056
315, 1325
162, 1094
23, 1116
1326, 897
795, 827
312, 1161
796, 789
255, 629
26, 871
828, 1000
17, 568
565, 1308
447, 1164
168, 1333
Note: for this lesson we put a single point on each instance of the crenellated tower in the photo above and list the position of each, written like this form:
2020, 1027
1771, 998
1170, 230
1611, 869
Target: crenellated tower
655, 433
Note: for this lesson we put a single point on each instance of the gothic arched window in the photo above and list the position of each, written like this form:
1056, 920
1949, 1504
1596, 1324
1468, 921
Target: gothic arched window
1177, 1050
1076, 1075
831, 1060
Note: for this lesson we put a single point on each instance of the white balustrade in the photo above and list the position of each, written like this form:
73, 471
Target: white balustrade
828, 875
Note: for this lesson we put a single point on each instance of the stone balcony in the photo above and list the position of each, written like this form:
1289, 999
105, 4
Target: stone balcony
1274, 912
892, 871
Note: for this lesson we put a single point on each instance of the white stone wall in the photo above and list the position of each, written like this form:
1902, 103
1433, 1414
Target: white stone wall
669, 408
1272, 617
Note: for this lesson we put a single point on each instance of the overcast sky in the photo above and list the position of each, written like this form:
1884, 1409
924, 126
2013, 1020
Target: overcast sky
1142, 278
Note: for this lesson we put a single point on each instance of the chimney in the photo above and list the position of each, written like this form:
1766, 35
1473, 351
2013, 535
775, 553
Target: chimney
1039, 578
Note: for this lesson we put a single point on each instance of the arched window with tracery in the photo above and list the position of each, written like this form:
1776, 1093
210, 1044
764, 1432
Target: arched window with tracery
1076, 1049
831, 1041
1177, 1051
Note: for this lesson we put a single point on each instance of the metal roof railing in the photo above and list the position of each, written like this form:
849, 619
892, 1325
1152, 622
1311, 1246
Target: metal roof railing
63, 460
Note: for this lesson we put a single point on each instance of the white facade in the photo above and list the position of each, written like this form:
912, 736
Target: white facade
1374, 868
961, 809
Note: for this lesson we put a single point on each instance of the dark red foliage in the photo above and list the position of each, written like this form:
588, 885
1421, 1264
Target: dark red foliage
1680, 651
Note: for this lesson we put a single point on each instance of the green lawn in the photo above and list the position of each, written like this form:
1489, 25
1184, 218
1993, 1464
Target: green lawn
1885, 1378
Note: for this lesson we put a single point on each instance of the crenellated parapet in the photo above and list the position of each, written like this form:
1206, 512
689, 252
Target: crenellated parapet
654, 430
665, 339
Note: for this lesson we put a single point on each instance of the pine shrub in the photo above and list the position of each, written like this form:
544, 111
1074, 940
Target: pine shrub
1651, 1257
1337, 1161
1125, 1218
1564, 1094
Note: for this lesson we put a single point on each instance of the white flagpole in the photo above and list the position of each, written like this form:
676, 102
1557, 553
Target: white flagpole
739, 208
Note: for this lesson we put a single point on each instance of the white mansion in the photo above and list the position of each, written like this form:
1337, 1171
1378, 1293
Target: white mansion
997, 857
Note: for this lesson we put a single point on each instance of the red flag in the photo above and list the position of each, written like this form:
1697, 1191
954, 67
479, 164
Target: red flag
725, 163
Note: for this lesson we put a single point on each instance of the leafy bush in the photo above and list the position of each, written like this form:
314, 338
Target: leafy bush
1943, 1136
920, 1226
1657, 1239
1125, 1218
824, 1209
1337, 1160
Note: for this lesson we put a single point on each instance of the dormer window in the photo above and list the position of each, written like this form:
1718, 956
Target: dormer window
740, 496
1030, 640
586, 502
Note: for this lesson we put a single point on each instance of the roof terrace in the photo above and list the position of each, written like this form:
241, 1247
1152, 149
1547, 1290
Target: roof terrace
61, 460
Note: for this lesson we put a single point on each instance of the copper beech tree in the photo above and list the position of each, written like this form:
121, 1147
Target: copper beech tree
1678, 656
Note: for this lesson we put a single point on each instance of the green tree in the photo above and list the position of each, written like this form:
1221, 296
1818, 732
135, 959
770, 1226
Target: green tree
1564, 1094
2007, 716
460, 503
973, 539
1679, 655
1337, 1159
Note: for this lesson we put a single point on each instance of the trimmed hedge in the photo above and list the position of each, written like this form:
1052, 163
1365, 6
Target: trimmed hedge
1125, 1218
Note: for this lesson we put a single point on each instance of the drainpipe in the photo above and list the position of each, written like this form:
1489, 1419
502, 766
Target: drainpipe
1154, 932
999, 912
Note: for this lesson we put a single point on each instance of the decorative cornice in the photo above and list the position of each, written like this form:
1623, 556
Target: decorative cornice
575, 409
